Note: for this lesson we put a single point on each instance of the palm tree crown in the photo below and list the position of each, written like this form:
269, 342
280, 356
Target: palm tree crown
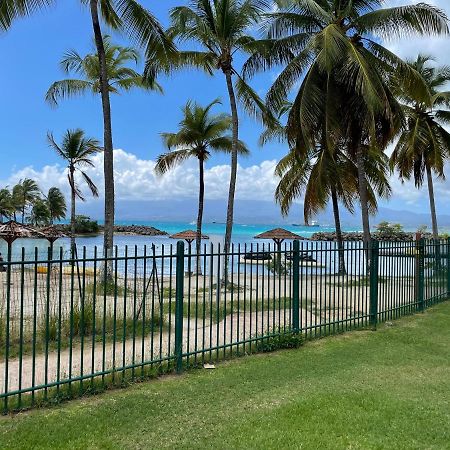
424, 145
200, 133
332, 48
120, 77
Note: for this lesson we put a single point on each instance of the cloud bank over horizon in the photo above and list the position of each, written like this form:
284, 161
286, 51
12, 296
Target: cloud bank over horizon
136, 181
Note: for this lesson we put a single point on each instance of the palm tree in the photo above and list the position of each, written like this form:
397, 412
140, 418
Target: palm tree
56, 203
77, 151
200, 132
24, 193
142, 27
424, 145
333, 49
106, 72
120, 76
321, 175
39, 214
220, 28
6, 204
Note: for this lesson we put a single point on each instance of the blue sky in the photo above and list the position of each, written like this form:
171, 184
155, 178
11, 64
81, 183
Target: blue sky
31, 51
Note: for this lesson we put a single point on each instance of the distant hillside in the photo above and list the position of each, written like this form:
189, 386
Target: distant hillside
246, 212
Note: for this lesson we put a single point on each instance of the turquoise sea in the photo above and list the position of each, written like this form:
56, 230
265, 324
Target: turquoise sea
242, 234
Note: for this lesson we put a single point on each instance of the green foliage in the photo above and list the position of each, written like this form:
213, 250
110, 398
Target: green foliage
279, 339
56, 204
84, 225
120, 76
39, 214
277, 265
390, 231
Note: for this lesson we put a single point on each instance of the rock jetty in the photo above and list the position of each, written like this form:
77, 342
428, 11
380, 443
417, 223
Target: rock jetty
385, 236
141, 230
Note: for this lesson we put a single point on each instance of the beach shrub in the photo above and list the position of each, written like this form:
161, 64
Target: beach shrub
278, 339
277, 266
386, 231
84, 225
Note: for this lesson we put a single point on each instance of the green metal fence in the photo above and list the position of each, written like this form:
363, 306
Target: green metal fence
69, 326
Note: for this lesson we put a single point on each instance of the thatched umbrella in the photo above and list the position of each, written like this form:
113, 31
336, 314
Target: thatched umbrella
12, 230
189, 236
278, 235
9, 232
52, 234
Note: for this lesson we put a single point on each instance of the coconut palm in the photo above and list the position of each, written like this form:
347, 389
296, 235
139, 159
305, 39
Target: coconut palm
56, 203
40, 214
77, 151
6, 204
200, 133
24, 193
220, 29
321, 175
120, 76
424, 145
124, 15
332, 48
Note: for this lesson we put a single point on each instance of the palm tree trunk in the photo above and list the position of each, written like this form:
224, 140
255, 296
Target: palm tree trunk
234, 162
72, 212
434, 223
107, 128
363, 198
201, 198
340, 241
432, 203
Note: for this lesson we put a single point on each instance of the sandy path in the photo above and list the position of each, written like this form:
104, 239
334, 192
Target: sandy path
94, 359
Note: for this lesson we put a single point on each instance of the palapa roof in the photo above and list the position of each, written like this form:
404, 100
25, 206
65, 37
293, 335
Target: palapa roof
12, 230
52, 233
188, 235
278, 234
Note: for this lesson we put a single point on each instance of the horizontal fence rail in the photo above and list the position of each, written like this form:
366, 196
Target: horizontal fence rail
74, 325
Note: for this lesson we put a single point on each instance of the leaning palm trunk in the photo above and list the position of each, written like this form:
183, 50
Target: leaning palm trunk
233, 174
340, 241
108, 143
364, 199
434, 223
432, 203
201, 197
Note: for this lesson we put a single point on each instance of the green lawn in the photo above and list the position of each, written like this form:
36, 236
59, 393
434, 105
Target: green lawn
362, 390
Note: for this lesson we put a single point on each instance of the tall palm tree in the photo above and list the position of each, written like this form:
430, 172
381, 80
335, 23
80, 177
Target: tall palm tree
77, 151
423, 147
200, 132
121, 77
56, 203
24, 193
220, 28
6, 204
142, 27
322, 175
332, 47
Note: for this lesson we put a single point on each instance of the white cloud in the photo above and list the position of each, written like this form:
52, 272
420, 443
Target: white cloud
135, 179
